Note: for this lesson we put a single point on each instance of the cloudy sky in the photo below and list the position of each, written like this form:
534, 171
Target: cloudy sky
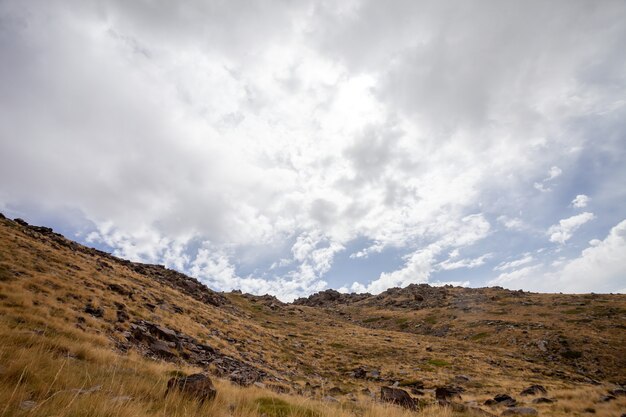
288, 147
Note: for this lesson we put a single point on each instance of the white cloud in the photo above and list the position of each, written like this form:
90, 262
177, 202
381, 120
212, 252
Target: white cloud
420, 264
562, 232
580, 201
553, 173
514, 223
527, 258
468, 263
601, 267
543, 186
287, 131
417, 269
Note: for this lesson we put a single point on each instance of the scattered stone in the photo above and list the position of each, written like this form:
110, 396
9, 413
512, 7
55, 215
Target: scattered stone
359, 373
330, 399
373, 374
198, 386
244, 377
543, 400
94, 311
607, 398
162, 349
120, 289
534, 390
461, 378
618, 392
505, 399
447, 393
335, 391
590, 410
399, 397
27, 405
520, 411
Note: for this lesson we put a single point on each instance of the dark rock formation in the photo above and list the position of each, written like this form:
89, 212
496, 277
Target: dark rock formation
198, 386
399, 397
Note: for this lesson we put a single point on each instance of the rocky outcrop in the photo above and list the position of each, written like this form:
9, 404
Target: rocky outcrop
198, 386
330, 298
164, 343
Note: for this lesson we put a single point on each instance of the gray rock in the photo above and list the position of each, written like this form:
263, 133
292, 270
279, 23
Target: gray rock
198, 386
520, 411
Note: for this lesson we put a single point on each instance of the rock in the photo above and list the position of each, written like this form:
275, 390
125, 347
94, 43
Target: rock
373, 374
120, 289
198, 386
359, 373
520, 411
161, 349
21, 222
468, 409
590, 410
94, 311
461, 378
368, 392
447, 393
27, 405
543, 400
607, 398
164, 333
618, 392
505, 399
330, 399
399, 397
335, 391
534, 390
244, 377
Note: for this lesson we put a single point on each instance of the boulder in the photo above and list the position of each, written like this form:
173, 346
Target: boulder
399, 397
198, 386
447, 393
520, 411
162, 350
543, 400
505, 399
359, 373
534, 390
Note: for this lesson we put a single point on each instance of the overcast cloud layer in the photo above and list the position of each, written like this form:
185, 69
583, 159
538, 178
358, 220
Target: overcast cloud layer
288, 147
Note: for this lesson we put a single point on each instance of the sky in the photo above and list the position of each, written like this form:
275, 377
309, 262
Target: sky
290, 147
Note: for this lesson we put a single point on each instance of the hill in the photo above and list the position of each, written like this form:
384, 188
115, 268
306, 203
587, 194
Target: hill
83, 333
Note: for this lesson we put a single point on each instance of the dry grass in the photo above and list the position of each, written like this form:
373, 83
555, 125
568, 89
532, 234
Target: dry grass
50, 349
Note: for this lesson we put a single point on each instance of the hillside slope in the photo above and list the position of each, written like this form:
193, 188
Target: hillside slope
73, 317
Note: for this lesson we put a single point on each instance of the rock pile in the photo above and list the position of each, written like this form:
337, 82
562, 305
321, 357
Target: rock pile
165, 343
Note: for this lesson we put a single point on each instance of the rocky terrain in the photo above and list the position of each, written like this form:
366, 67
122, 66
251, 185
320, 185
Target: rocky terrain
85, 333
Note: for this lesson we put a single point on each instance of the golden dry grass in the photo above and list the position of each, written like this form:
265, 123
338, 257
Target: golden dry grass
50, 349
